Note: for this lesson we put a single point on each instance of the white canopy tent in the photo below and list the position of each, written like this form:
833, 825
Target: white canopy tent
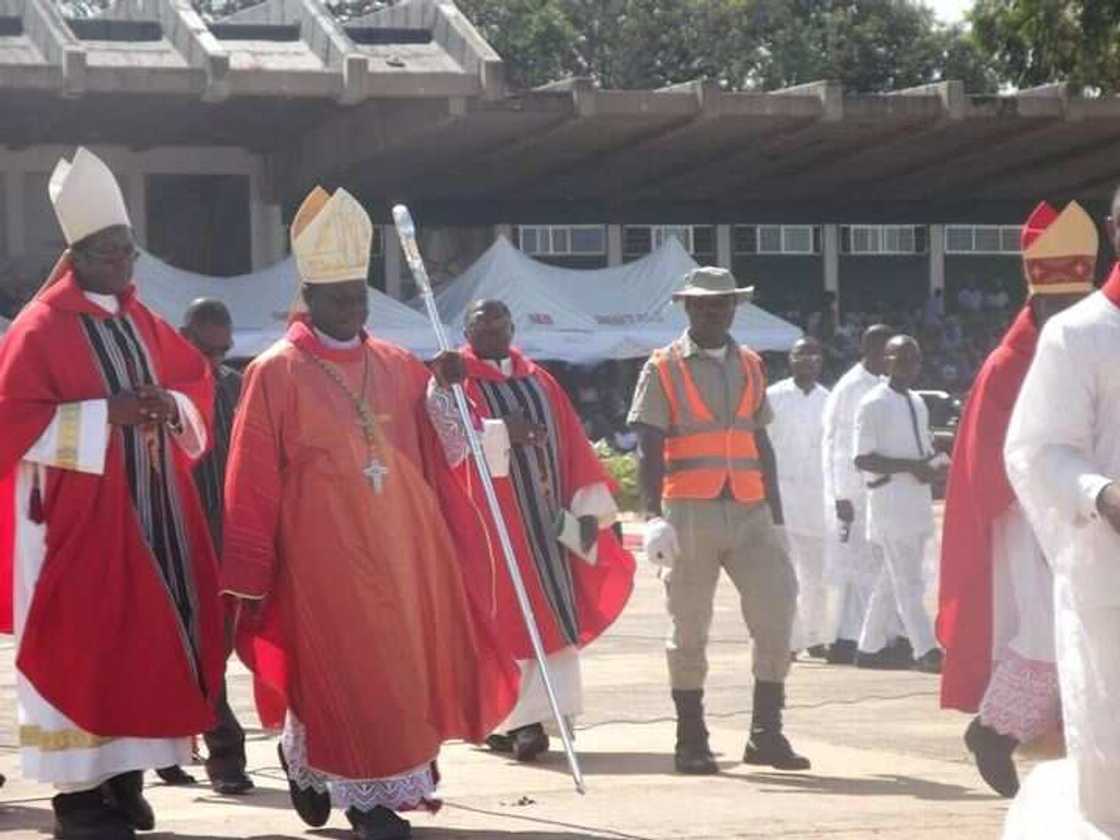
260, 302
581, 315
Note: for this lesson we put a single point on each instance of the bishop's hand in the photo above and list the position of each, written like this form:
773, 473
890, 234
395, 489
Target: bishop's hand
127, 408
449, 368
1108, 505
523, 432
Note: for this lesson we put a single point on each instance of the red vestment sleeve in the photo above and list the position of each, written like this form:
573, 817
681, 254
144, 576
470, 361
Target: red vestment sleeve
978, 493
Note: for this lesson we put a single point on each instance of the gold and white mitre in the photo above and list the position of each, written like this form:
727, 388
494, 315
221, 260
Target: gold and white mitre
1060, 250
331, 237
86, 196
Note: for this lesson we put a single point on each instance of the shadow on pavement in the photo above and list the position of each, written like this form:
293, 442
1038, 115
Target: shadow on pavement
880, 785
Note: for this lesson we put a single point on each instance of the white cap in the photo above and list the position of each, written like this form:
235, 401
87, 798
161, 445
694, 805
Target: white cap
331, 236
86, 196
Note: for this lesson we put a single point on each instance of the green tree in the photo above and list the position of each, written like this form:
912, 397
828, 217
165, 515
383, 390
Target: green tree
1042, 41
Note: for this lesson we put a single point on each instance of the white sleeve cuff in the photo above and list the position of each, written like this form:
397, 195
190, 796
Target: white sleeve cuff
1091, 487
192, 437
76, 438
595, 500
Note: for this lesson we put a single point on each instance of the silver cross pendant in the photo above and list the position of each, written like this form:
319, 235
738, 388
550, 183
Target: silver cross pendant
376, 473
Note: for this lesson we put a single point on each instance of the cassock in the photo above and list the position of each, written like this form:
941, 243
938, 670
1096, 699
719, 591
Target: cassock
851, 565
995, 601
796, 434
108, 576
1062, 449
574, 599
367, 632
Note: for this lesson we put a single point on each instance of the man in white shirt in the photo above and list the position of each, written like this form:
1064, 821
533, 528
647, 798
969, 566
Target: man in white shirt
893, 445
851, 565
1063, 459
796, 432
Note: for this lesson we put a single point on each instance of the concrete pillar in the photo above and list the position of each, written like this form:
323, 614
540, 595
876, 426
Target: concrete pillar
614, 245
505, 230
723, 246
830, 258
936, 259
391, 246
137, 200
13, 213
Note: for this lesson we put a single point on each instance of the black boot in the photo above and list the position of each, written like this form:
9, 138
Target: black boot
378, 824
529, 742
992, 752
842, 652
86, 816
176, 776
314, 808
125, 794
767, 744
692, 755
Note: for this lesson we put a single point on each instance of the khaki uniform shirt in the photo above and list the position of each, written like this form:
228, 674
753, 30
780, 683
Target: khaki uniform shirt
719, 381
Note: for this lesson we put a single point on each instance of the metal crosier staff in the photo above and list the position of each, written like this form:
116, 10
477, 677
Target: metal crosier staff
407, 232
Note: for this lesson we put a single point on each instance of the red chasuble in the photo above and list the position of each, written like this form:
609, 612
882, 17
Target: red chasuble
573, 601
978, 493
123, 631
368, 630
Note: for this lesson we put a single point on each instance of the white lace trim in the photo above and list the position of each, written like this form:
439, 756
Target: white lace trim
414, 789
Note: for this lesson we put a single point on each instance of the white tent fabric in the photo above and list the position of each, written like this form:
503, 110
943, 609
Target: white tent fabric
580, 315
259, 304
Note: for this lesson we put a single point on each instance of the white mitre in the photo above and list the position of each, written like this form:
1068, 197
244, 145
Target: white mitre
86, 196
331, 237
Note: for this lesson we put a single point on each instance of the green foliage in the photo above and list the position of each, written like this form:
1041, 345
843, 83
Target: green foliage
624, 470
1042, 41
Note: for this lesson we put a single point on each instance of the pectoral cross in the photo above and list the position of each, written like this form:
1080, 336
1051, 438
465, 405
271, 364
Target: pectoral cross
376, 472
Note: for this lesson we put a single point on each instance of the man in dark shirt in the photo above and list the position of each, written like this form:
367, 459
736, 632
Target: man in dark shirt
208, 326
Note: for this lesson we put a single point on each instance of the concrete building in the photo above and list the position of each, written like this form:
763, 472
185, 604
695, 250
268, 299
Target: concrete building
219, 129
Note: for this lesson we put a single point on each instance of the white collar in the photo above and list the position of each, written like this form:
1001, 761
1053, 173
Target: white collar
109, 303
505, 366
718, 353
334, 343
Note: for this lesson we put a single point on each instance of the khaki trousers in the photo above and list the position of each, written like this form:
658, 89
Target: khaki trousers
725, 534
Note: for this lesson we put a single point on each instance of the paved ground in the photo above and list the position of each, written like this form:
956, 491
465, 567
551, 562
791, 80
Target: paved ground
887, 762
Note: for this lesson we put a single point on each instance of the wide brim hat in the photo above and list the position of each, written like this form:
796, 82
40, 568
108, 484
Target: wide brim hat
710, 281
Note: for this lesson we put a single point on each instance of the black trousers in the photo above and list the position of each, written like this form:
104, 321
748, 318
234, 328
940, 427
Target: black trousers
225, 743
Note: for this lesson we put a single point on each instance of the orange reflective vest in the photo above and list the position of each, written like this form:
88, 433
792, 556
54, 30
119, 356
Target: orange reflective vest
702, 455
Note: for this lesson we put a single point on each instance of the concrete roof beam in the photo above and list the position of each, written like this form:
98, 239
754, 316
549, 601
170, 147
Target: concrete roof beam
326, 37
951, 93
830, 95
190, 35
46, 28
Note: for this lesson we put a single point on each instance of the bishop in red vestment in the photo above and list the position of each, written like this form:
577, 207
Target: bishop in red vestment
354, 611
996, 618
544, 469
108, 580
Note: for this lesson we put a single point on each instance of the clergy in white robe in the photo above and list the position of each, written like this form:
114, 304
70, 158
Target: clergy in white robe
796, 432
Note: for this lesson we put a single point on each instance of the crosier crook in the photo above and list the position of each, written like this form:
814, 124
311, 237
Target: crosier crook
407, 232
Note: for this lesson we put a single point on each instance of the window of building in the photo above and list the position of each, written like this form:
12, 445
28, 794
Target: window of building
883, 239
776, 239
562, 240
698, 240
982, 239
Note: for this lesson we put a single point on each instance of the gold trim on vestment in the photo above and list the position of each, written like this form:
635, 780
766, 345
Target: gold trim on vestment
58, 740
69, 429
1071, 288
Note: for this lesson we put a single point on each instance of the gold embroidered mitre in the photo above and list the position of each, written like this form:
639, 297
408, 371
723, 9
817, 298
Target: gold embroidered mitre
1060, 251
331, 236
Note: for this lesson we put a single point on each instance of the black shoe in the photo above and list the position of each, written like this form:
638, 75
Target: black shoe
314, 808
992, 752
767, 745
818, 651
692, 755
529, 742
882, 660
86, 816
930, 662
378, 824
125, 794
773, 749
176, 776
500, 742
841, 652
902, 648
231, 784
